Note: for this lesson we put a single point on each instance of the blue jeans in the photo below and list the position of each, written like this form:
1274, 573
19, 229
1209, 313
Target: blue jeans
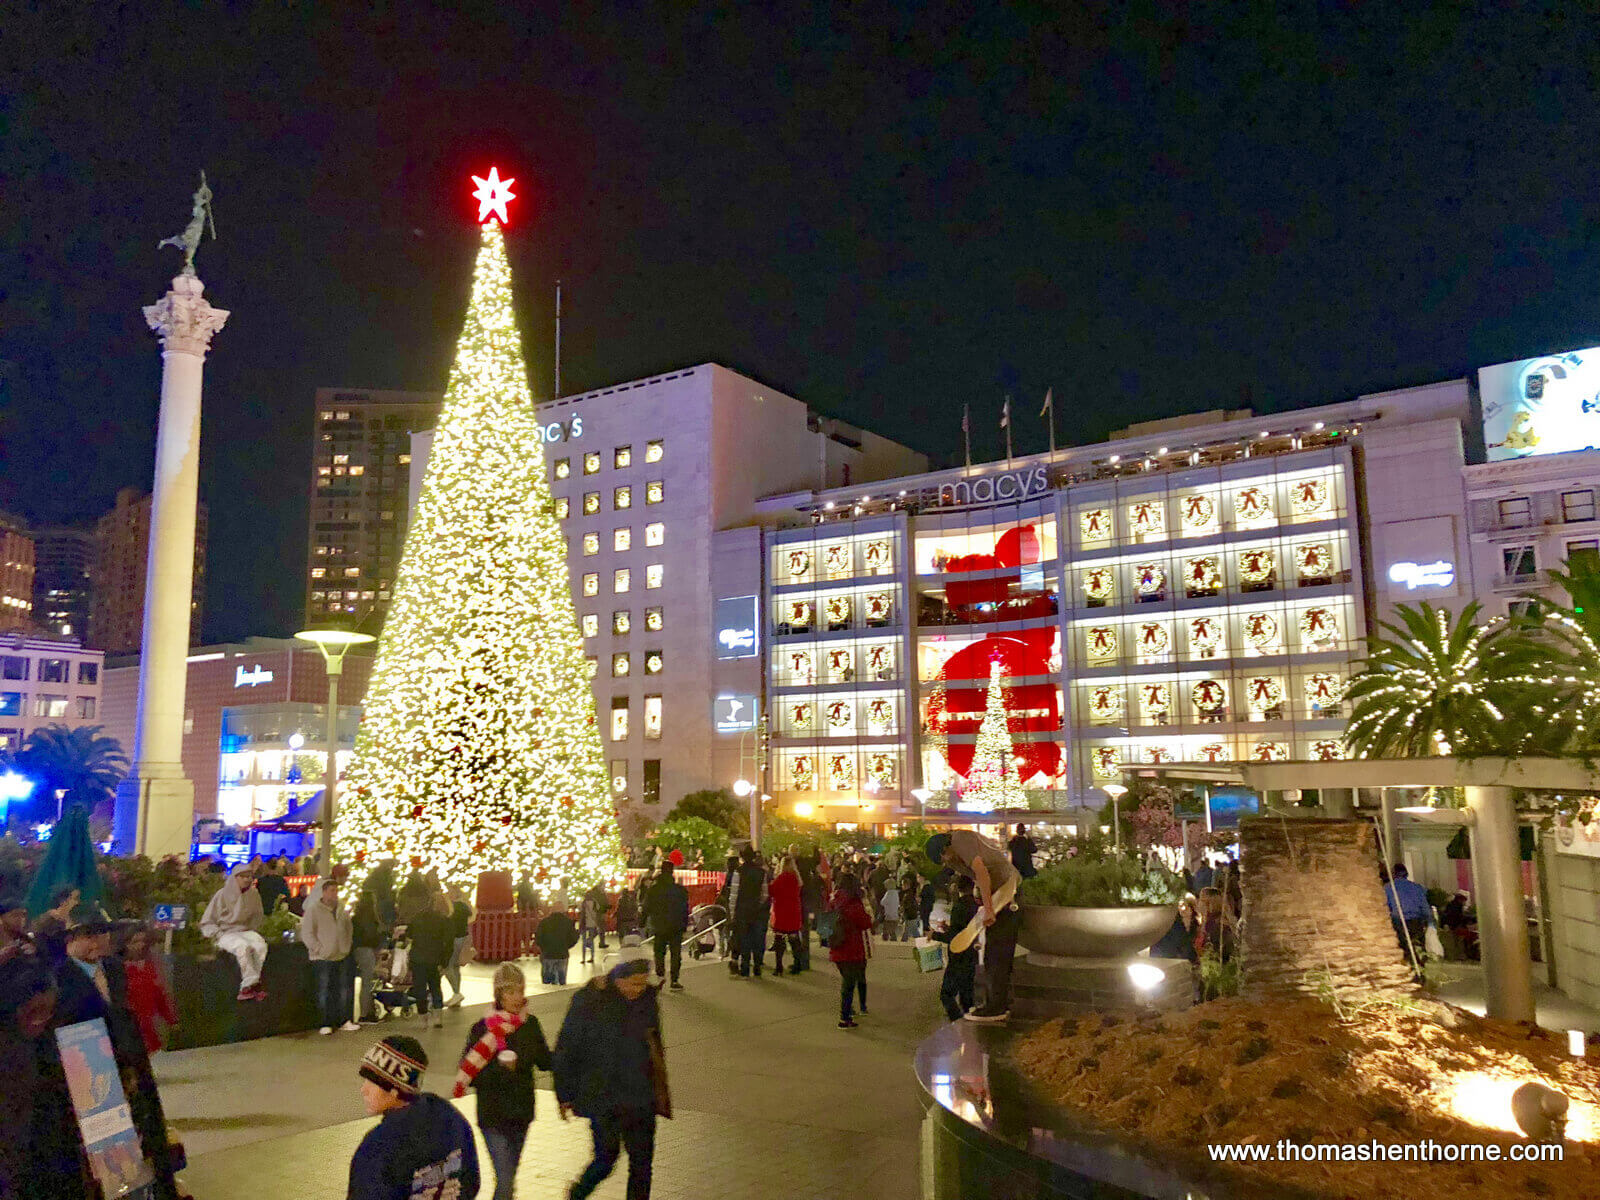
505, 1152
636, 1130
553, 970
335, 980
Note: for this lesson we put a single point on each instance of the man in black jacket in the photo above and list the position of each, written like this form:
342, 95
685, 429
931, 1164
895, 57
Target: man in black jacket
609, 1067
422, 1146
272, 887
667, 907
749, 913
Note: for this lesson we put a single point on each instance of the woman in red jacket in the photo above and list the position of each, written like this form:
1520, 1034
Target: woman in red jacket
847, 946
147, 993
786, 920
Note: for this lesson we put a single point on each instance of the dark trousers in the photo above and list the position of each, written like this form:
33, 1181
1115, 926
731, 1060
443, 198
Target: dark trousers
1417, 927
1000, 947
335, 980
425, 985
505, 1144
750, 946
671, 939
778, 942
626, 1127
808, 922
852, 979
955, 993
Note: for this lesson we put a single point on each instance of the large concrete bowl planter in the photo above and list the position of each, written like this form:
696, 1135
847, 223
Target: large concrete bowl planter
1057, 931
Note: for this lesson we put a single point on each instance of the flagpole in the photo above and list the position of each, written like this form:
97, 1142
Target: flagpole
1050, 410
1005, 422
966, 430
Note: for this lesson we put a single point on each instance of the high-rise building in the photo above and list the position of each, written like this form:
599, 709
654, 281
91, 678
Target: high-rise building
47, 682
360, 465
122, 544
63, 566
656, 483
16, 574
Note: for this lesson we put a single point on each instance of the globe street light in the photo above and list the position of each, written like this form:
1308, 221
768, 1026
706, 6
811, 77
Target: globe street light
1116, 791
922, 795
335, 643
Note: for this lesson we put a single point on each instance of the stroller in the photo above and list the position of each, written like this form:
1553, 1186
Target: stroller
708, 930
392, 996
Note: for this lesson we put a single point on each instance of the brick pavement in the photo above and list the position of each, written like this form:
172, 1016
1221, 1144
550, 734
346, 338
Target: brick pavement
771, 1098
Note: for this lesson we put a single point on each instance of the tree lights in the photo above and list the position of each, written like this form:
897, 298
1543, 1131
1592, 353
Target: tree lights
992, 780
479, 749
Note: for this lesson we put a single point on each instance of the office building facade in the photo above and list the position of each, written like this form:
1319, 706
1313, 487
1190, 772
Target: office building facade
46, 681
121, 549
16, 574
63, 580
360, 467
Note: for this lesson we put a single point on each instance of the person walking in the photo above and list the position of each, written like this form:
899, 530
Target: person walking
847, 946
813, 895
325, 931
750, 895
889, 912
788, 920
422, 1146
1410, 912
502, 1051
967, 853
911, 926
366, 939
461, 928
610, 1069
148, 997
668, 909
1022, 848
627, 913
592, 922
555, 936
432, 937
231, 920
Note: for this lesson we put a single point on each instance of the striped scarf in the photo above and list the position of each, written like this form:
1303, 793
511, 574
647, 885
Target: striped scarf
498, 1027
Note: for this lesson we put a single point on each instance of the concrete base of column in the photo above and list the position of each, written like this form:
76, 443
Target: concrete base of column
168, 820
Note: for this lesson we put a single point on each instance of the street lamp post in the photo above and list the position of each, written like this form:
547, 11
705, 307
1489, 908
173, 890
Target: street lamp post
1116, 791
334, 643
922, 795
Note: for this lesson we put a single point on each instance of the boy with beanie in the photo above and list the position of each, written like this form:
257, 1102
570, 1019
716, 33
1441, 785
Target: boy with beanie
422, 1146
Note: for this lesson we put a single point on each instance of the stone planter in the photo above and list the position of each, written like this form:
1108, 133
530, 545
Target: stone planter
209, 1014
1052, 931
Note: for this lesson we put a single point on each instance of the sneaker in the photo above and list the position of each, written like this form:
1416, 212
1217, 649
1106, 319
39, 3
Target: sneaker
863, 1010
676, 986
325, 1030
454, 1001
987, 1016
847, 1024
438, 1018
350, 1027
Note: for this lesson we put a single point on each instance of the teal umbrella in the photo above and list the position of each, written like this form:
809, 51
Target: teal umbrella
68, 862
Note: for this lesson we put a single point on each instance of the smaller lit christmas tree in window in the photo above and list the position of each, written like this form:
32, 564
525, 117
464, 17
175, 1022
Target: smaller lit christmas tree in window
992, 782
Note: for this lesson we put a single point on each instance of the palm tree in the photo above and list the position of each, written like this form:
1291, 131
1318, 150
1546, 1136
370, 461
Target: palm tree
78, 760
1437, 685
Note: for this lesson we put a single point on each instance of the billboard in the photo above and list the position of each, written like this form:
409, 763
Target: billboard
1547, 405
736, 627
734, 714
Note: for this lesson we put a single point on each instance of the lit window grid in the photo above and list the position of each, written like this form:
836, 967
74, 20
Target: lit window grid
621, 539
1235, 642
1230, 559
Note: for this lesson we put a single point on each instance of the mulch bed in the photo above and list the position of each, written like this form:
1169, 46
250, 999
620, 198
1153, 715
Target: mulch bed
1247, 1071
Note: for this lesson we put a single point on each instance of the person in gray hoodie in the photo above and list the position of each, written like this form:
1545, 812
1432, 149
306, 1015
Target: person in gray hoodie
325, 933
231, 921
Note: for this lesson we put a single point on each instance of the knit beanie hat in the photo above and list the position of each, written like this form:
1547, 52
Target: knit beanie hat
632, 958
396, 1063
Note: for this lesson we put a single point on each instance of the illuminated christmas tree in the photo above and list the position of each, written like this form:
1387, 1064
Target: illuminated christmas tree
992, 780
479, 748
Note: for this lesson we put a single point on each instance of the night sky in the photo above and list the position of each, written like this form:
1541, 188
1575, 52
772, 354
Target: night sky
886, 212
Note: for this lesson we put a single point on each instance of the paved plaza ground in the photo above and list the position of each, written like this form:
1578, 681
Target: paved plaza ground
771, 1098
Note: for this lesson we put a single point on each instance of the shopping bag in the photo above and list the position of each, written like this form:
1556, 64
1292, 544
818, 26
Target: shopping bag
929, 954
1431, 941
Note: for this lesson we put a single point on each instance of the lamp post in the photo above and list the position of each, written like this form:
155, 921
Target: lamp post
334, 643
1116, 791
922, 795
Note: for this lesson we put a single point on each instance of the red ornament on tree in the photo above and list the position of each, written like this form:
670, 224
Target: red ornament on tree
676, 858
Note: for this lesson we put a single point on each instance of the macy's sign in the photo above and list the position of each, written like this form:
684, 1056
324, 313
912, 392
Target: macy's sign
1008, 485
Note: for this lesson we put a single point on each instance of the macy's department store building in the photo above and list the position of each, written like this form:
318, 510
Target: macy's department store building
1194, 591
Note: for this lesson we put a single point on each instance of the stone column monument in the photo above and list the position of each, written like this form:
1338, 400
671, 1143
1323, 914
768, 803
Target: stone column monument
155, 803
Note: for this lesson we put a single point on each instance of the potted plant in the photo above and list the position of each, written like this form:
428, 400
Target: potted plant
1097, 907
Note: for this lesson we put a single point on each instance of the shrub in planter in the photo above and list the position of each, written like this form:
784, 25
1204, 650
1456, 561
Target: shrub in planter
1085, 882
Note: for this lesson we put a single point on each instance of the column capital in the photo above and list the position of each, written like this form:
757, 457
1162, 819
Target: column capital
183, 319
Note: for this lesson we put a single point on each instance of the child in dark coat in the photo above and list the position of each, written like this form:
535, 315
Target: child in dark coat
502, 1051
961, 971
